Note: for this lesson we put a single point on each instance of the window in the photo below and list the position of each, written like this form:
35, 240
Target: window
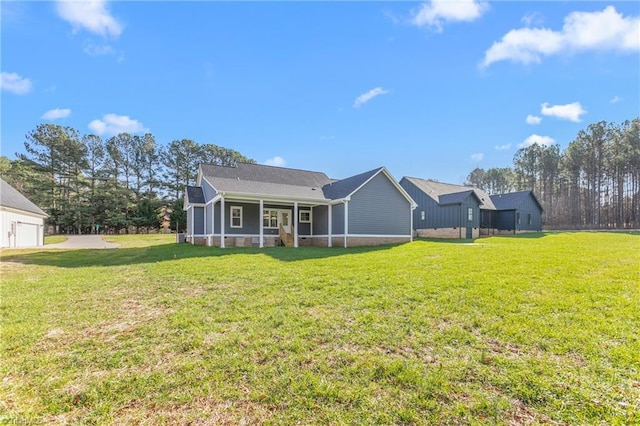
518, 218
422, 215
236, 217
470, 214
529, 219
270, 218
305, 216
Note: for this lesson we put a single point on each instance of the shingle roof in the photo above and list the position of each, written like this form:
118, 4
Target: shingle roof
262, 173
195, 195
512, 200
436, 190
10, 197
456, 197
345, 187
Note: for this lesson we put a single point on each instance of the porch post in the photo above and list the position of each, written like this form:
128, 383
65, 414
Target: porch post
330, 224
411, 223
261, 219
295, 227
221, 222
346, 222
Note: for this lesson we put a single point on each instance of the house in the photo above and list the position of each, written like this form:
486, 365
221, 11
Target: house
21, 221
258, 205
456, 211
446, 210
517, 212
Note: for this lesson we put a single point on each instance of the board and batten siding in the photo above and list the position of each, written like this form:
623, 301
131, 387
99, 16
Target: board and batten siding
530, 207
378, 208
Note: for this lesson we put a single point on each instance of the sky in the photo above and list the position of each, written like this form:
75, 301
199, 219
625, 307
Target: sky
429, 90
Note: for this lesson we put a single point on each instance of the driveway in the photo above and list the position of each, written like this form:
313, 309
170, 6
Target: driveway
83, 242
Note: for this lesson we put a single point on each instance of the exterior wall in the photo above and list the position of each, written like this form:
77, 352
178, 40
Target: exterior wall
530, 207
198, 213
320, 220
425, 203
506, 220
337, 218
207, 219
208, 190
378, 208
447, 233
372, 241
29, 230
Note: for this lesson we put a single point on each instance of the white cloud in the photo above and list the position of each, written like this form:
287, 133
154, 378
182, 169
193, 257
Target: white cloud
571, 112
366, 97
112, 124
57, 113
502, 147
533, 119
98, 50
582, 31
531, 19
90, 15
477, 157
537, 139
616, 99
438, 12
14, 83
276, 161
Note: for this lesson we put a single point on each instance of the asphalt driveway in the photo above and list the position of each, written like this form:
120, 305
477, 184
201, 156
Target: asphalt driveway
83, 242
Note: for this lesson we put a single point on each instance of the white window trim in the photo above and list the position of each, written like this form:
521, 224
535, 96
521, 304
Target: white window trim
300, 220
231, 209
269, 209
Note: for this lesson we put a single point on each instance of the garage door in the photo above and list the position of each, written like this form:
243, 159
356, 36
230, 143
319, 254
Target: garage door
26, 235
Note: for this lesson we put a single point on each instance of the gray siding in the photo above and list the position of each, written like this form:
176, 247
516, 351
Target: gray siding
530, 207
378, 208
337, 219
198, 213
207, 218
505, 220
439, 216
208, 190
320, 220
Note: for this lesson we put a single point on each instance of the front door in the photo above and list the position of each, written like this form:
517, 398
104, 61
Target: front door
284, 219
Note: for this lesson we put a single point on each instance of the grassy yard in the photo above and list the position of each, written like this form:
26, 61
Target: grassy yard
542, 329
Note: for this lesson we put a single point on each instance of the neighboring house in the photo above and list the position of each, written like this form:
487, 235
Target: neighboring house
517, 212
455, 211
257, 205
446, 210
21, 221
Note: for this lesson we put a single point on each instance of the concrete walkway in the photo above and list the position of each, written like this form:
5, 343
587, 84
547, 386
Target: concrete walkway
83, 242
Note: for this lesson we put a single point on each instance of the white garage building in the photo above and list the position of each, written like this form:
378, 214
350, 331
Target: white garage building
21, 221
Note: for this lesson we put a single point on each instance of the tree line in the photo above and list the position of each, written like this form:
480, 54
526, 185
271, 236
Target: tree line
126, 183
592, 184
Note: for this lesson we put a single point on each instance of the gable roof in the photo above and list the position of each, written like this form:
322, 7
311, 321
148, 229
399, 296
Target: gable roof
513, 200
11, 198
446, 193
345, 187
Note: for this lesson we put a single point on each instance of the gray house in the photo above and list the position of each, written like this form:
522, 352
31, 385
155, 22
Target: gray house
257, 205
446, 210
455, 211
517, 212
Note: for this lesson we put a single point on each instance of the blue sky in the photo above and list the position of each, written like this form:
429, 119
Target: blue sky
429, 90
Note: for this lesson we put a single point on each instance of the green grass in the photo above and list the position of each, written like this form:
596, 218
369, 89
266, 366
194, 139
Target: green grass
540, 329
54, 239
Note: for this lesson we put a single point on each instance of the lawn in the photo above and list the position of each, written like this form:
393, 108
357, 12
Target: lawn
538, 329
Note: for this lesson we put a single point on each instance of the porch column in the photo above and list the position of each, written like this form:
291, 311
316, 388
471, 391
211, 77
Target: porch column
330, 225
261, 219
295, 227
221, 222
411, 224
346, 222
